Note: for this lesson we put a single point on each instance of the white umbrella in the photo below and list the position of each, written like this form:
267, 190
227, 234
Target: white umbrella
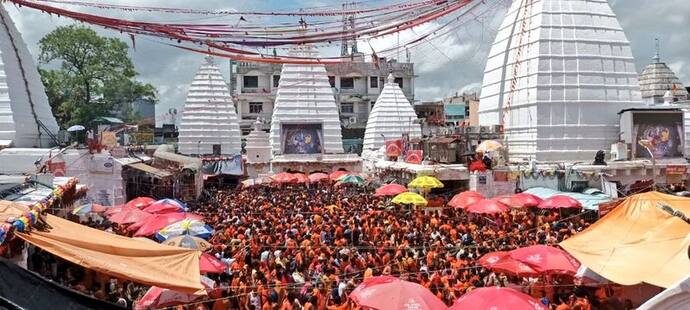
76, 128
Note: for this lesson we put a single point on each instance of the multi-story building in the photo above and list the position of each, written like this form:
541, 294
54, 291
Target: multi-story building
450, 112
356, 86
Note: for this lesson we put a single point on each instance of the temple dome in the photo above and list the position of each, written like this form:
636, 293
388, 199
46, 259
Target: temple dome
23, 101
305, 100
209, 117
391, 116
657, 79
557, 81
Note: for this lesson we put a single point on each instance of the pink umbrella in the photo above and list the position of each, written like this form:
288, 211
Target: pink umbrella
129, 215
165, 206
390, 190
527, 199
501, 261
284, 177
318, 177
336, 175
384, 293
210, 264
156, 222
301, 178
546, 259
559, 202
496, 298
157, 297
465, 199
140, 202
487, 206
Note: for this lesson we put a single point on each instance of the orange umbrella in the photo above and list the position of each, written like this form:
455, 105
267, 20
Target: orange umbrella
465, 199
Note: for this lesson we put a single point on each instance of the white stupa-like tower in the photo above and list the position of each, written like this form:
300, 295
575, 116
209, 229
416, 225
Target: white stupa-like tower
556, 76
391, 116
23, 100
305, 99
209, 117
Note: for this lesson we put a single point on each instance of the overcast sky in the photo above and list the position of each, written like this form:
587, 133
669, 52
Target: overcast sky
451, 64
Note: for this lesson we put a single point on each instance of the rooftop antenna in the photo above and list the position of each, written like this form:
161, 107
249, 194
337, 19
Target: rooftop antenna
657, 56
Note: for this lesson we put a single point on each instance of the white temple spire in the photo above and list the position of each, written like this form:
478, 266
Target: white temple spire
391, 117
209, 121
23, 100
305, 117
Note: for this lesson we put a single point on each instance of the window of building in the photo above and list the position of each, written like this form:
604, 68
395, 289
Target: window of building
251, 81
216, 149
331, 80
256, 107
276, 80
347, 83
373, 103
347, 107
399, 81
374, 82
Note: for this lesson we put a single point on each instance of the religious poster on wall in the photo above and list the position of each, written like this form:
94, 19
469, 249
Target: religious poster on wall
658, 134
302, 139
414, 156
393, 148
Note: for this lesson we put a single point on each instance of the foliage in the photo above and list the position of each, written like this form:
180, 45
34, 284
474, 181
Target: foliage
88, 75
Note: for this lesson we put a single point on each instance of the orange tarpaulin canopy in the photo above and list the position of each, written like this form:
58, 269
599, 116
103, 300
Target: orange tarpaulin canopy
122, 257
637, 242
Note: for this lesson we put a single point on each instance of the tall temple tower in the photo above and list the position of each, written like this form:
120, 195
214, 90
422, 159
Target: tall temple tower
26, 119
305, 117
556, 76
391, 116
209, 120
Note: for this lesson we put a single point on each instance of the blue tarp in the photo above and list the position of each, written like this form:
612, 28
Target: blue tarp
589, 201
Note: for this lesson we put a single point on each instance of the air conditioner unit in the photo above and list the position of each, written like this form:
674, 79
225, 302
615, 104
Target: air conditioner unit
352, 120
619, 151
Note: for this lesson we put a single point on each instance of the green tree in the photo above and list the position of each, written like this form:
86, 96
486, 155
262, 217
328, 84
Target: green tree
87, 75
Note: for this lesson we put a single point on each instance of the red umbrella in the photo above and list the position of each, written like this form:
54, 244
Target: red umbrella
559, 202
384, 293
129, 215
511, 201
318, 177
502, 262
496, 298
210, 264
487, 206
301, 178
390, 190
140, 202
153, 224
336, 175
157, 297
546, 259
284, 177
465, 199
527, 199
165, 206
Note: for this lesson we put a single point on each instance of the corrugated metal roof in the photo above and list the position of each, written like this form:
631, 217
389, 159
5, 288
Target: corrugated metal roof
152, 170
588, 201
